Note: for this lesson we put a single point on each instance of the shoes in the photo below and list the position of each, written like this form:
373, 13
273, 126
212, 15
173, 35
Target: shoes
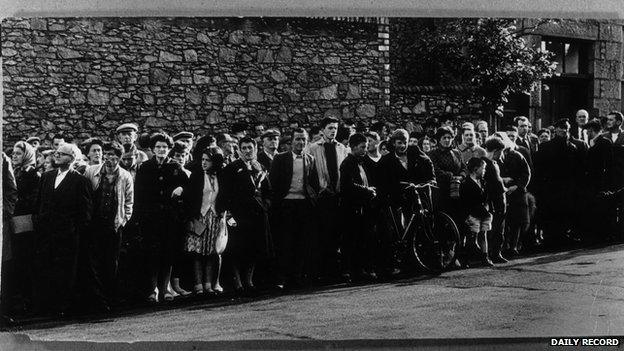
153, 297
198, 289
500, 259
217, 289
487, 262
181, 292
208, 289
167, 297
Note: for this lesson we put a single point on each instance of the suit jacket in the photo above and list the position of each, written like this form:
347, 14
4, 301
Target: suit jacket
352, 189
530, 142
62, 214
281, 174
264, 160
245, 193
618, 159
473, 199
599, 165
391, 173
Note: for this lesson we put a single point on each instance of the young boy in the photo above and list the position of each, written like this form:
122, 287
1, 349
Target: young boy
474, 200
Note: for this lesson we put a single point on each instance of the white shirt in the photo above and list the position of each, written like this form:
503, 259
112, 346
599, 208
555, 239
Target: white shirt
296, 183
614, 136
363, 175
59, 177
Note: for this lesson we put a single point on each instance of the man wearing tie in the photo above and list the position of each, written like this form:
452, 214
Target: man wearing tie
579, 132
328, 155
525, 137
63, 210
295, 184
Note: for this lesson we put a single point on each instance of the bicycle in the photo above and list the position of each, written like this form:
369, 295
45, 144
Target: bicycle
429, 238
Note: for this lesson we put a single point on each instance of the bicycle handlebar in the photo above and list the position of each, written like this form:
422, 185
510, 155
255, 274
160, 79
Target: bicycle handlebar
420, 186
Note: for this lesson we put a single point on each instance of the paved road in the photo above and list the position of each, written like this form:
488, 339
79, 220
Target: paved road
565, 294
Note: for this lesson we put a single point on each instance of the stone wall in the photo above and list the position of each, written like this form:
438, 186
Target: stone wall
85, 76
417, 106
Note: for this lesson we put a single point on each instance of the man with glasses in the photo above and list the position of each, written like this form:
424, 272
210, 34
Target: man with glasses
63, 211
113, 197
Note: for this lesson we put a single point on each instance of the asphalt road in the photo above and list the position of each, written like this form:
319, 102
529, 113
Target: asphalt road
572, 293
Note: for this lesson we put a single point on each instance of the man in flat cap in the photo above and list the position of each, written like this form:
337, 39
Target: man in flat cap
34, 141
127, 134
270, 143
187, 139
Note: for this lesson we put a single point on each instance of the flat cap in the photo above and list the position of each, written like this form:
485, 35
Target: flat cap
127, 126
183, 135
33, 139
271, 133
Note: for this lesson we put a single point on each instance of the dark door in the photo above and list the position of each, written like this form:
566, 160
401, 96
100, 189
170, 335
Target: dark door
561, 98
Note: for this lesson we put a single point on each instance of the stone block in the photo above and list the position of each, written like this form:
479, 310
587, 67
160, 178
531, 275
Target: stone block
607, 69
159, 76
254, 94
150, 58
613, 51
213, 97
331, 60
252, 39
194, 97
38, 24
365, 111
274, 39
353, 92
278, 76
420, 108
265, 56
203, 38
201, 79
335, 113
93, 79
155, 122
292, 94
236, 37
8, 52
165, 56
54, 91
284, 55
214, 117
190, 55
329, 93
610, 32
227, 55
234, 99
66, 53
97, 97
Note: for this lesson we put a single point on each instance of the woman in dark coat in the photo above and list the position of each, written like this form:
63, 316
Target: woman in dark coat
27, 179
449, 172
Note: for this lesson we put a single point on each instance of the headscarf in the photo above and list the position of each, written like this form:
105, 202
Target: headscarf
29, 158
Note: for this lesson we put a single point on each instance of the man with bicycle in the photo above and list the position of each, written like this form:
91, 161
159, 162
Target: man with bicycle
401, 169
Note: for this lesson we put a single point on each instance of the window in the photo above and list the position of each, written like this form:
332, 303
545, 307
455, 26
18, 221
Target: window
571, 56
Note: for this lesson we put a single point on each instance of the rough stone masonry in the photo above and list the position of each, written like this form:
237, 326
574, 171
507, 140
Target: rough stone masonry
84, 76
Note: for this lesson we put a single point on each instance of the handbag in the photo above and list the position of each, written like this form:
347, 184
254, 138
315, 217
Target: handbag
222, 236
195, 226
22, 224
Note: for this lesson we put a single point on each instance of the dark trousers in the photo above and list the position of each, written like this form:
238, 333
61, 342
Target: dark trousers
496, 238
23, 277
358, 240
103, 261
56, 264
325, 248
295, 222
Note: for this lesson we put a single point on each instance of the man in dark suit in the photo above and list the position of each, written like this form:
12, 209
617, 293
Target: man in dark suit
270, 143
62, 214
245, 191
157, 181
558, 172
295, 185
357, 192
601, 212
525, 137
578, 130
615, 133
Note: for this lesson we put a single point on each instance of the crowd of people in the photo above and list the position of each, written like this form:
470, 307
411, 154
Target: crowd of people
92, 223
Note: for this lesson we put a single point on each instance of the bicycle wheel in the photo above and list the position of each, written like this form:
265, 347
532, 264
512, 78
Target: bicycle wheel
435, 242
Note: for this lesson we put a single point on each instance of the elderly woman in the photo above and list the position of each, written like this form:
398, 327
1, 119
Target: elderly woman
27, 179
201, 203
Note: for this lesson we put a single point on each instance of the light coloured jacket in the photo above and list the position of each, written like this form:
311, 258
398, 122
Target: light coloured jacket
125, 191
317, 150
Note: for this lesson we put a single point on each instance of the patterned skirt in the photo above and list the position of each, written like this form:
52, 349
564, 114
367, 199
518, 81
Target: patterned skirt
205, 243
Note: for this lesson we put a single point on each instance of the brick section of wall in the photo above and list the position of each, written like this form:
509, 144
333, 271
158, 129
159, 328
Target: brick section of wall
85, 76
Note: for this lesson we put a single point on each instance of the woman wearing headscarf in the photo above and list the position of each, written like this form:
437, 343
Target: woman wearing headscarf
24, 161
